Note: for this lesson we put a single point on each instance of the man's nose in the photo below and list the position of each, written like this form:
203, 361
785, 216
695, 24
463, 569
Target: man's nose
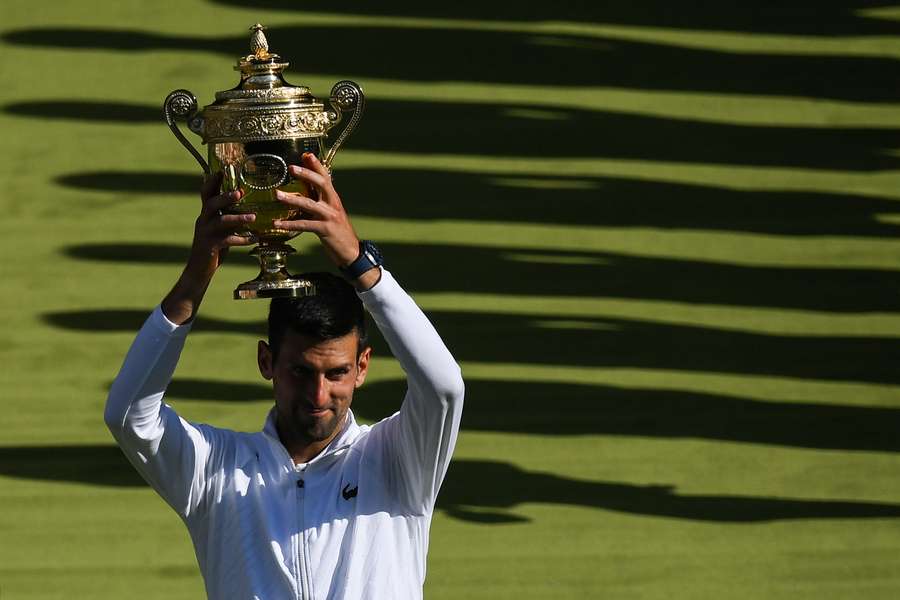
318, 392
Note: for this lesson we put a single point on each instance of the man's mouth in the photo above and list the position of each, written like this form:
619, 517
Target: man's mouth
315, 412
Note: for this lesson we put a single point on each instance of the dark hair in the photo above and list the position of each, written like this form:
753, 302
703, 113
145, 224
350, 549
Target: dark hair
334, 311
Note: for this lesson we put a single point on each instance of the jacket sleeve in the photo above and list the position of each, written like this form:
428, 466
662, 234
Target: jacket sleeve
167, 451
421, 437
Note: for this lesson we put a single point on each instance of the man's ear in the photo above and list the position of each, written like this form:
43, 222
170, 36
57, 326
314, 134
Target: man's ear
264, 359
362, 366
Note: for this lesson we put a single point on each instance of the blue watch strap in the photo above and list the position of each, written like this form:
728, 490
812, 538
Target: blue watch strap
369, 258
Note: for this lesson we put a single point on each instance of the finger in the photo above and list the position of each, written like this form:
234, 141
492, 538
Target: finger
212, 205
301, 225
233, 220
319, 183
310, 176
307, 205
228, 224
312, 161
238, 240
211, 185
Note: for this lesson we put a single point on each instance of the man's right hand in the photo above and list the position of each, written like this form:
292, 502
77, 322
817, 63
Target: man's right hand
214, 231
213, 236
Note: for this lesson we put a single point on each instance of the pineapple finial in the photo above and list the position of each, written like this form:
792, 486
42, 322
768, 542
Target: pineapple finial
259, 46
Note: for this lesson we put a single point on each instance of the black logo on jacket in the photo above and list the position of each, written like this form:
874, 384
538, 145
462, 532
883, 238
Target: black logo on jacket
348, 493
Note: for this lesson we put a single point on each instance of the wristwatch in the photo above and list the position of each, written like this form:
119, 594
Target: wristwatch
369, 258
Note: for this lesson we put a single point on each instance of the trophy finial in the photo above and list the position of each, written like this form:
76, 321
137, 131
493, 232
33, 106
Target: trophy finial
259, 46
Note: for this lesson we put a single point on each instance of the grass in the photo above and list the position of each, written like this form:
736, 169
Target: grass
664, 248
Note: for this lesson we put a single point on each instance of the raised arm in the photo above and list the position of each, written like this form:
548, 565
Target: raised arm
422, 436
169, 452
213, 235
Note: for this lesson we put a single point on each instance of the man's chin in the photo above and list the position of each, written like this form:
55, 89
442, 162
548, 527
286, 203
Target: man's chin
321, 429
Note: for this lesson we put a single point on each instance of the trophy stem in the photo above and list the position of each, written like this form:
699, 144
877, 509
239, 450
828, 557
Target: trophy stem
274, 280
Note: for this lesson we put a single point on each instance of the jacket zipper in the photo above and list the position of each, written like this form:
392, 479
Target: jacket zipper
303, 586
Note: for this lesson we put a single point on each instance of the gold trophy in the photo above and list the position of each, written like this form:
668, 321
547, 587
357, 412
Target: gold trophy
253, 132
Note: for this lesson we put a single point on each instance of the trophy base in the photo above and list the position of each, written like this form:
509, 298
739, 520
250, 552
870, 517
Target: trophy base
287, 288
273, 280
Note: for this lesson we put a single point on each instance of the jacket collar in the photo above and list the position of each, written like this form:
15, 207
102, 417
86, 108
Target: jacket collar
349, 432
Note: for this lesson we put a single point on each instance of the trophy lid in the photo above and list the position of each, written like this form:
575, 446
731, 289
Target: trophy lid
263, 106
262, 80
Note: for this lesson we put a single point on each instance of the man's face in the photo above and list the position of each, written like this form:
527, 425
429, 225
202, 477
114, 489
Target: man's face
314, 382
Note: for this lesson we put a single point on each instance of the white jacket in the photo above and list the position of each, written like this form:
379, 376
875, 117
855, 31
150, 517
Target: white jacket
351, 523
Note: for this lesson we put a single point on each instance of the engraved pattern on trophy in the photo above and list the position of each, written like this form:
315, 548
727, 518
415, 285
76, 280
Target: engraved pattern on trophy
268, 126
264, 95
264, 171
182, 104
253, 133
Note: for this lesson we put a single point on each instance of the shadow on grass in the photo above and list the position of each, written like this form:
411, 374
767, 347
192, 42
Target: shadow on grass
640, 344
823, 18
540, 131
480, 491
602, 201
134, 183
552, 408
108, 320
602, 342
86, 110
473, 269
219, 391
484, 491
454, 54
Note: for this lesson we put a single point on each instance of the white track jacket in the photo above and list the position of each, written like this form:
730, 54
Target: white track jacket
351, 523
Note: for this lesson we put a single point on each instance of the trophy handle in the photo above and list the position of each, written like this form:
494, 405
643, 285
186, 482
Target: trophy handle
182, 103
345, 95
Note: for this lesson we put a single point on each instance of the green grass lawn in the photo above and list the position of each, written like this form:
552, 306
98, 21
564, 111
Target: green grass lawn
663, 246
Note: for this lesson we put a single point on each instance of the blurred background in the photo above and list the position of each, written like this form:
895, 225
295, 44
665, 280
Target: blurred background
661, 238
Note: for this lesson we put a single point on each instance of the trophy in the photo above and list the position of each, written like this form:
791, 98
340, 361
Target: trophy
253, 132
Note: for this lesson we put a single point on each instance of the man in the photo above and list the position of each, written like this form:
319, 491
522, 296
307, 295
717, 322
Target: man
314, 505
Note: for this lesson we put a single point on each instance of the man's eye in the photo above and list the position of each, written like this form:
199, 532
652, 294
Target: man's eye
337, 373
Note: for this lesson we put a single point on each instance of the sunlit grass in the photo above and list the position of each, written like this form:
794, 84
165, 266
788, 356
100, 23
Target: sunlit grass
67, 538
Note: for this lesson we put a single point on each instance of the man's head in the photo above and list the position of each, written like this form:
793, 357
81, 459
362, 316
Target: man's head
316, 356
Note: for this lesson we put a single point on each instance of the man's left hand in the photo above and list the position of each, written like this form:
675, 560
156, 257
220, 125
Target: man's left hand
325, 216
